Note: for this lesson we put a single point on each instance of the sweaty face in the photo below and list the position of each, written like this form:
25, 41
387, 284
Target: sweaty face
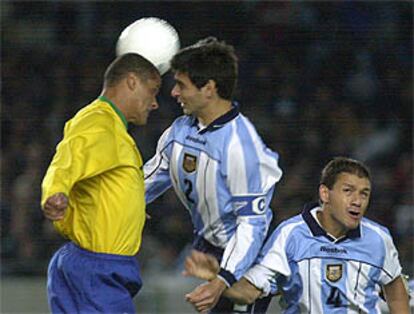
186, 93
345, 204
144, 100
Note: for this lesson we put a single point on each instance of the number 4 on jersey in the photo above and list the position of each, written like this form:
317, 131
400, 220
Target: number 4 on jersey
334, 298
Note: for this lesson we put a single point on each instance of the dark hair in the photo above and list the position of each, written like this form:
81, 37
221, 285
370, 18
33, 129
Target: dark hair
209, 59
339, 165
127, 63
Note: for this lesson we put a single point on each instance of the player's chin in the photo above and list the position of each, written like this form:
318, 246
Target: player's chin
353, 224
144, 118
187, 111
141, 121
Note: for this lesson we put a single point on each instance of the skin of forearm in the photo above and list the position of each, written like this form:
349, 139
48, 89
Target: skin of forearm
242, 292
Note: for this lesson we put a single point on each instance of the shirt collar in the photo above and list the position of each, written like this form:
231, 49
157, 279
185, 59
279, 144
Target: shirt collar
317, 229
220, 121
116, 109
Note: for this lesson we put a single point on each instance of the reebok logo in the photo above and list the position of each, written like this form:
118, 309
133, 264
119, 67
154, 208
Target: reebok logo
195, 140
333, 250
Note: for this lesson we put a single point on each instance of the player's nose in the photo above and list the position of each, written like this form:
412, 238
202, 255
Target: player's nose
175, 92
356, 200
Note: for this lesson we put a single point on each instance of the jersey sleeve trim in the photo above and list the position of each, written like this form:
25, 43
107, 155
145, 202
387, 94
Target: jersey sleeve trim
227, 277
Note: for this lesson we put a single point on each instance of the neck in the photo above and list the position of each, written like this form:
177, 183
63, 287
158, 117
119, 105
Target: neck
329, 224
113, 96
213, 111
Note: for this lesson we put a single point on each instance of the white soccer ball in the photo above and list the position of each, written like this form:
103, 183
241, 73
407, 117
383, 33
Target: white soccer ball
151, 37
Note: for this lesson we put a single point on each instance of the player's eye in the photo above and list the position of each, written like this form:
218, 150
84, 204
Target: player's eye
181, 85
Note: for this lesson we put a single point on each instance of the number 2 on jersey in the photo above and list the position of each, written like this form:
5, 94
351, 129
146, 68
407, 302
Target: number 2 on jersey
188, 190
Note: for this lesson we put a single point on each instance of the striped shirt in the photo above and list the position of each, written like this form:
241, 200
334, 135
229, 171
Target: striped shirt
319, 274
225, 177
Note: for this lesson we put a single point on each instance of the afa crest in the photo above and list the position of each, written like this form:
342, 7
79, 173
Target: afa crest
189, 163
334, 272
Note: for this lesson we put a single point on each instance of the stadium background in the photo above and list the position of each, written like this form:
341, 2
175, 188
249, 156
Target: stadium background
317, 79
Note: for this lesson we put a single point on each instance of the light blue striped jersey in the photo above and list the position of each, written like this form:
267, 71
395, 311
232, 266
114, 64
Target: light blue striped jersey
225, 177
317, 274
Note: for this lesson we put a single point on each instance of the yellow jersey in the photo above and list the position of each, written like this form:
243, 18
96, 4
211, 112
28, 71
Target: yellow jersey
98, 166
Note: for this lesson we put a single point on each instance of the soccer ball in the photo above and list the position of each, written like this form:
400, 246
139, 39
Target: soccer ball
151, 37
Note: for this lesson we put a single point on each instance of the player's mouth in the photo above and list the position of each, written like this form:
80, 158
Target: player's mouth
184, 107
354, 213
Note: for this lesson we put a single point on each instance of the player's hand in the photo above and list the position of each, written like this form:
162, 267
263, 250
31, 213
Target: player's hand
206, 295
201, 265
55, 206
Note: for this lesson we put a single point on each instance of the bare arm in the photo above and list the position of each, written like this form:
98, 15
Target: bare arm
243, 292
397, 297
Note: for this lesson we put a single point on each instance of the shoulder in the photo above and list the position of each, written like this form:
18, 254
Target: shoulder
179, 126
294, 220
175, 132
285, 236
376, 235
292, 223
241, 131
177, 129
182, 121
95, 117
290, 226
371, 226
245, 127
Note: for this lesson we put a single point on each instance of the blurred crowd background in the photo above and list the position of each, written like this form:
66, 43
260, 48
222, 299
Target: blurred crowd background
318, 79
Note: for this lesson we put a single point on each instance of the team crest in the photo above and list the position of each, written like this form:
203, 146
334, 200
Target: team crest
189, 163
334, 272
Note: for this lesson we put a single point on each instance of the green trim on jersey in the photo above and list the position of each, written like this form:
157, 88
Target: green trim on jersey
120, 114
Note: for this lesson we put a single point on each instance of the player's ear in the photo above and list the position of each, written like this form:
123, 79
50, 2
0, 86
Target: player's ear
324, 193
131, 81
210, 88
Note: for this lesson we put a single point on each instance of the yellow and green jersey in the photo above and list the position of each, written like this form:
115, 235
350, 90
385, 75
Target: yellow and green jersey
98, 166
